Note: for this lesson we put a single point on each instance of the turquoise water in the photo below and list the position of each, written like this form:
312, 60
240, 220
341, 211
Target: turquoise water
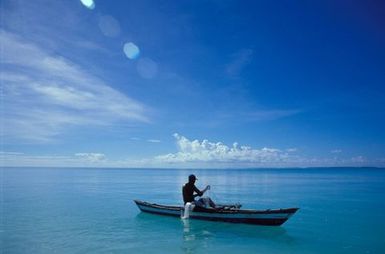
55, 210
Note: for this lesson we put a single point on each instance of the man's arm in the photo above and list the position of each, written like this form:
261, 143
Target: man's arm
200, 193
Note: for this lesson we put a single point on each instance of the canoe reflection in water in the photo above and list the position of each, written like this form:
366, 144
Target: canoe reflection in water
197, 236
202, 236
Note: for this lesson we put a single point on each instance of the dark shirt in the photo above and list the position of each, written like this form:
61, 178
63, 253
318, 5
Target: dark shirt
188, 192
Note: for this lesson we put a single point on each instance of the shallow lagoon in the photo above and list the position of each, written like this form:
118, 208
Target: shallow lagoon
57, 210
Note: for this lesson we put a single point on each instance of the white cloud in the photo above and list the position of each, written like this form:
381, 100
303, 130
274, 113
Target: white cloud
359, 159
91, 157
336, 151
19, 159
206, 151
202, 154
153, 140
206, 154
45, 93
16, 159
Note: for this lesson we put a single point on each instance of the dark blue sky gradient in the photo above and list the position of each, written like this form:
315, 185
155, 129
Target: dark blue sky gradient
308, 75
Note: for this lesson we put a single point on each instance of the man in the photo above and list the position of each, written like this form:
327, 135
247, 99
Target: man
189, 196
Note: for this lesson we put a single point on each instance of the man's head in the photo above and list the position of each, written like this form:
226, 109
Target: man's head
192, 178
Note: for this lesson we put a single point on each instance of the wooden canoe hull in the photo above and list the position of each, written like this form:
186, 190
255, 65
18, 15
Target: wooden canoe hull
274, 217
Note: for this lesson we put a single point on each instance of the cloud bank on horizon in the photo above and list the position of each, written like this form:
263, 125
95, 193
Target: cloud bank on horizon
205, 153
192, 154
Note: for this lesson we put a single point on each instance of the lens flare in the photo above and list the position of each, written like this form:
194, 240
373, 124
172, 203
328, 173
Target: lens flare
131, 50
147, 68
109, 26
90, 4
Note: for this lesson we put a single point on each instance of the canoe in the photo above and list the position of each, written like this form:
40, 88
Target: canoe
269, 217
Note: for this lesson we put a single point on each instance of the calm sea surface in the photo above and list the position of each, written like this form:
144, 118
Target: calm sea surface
55, 210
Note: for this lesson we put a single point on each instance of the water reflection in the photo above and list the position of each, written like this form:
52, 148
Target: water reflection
198, 236
193, 228
194, 237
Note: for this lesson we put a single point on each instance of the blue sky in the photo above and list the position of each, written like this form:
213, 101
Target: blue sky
192, 83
